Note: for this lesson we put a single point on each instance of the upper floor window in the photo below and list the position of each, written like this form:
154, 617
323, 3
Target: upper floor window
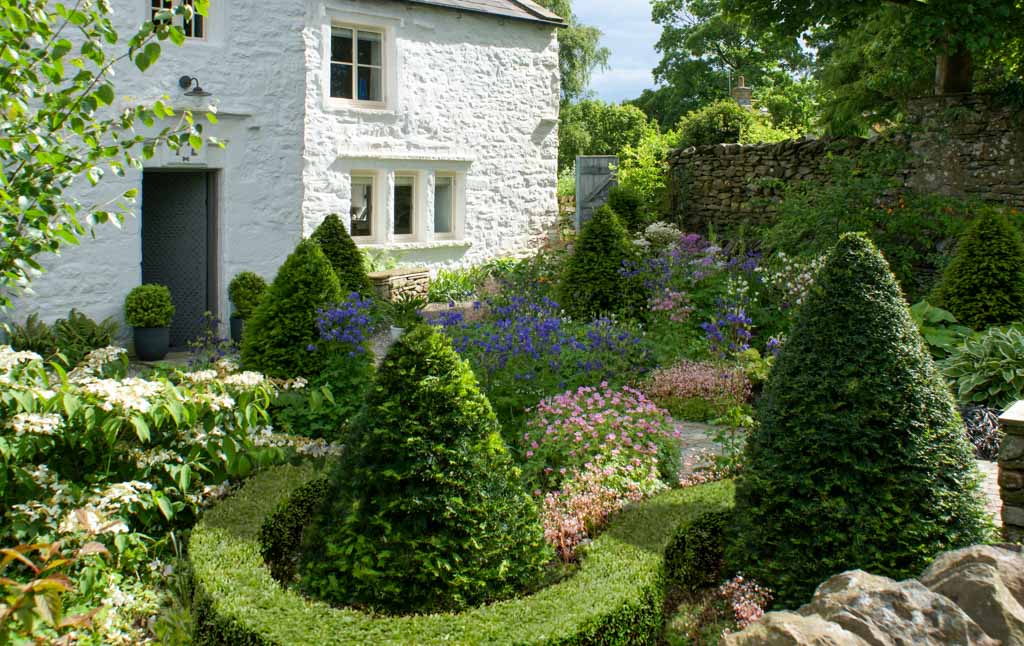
195, 28
357, 64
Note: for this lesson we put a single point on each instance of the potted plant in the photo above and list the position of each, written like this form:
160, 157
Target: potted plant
246, 291
149, 310
405, 314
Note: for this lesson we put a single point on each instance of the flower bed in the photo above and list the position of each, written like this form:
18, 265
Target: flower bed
615, 597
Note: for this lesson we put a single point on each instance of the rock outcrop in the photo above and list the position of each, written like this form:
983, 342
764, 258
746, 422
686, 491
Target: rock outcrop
970, 597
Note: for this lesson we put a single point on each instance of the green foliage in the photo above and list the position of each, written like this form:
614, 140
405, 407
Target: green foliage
246, 291
281, 531
719, 123
279, 335
593, 127
615, 597
628, 204
914, 231
326, 407
704, 50
593, 283
426, 511
344, 256
56, 95
78, 335
34, 335
149, 306
36, 605
939, 329
643, 167
983, 286
693, 559
860, 458
988, 369
567, 181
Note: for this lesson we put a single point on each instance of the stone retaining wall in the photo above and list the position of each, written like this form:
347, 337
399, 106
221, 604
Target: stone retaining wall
1011, 472
401, 283
960, 146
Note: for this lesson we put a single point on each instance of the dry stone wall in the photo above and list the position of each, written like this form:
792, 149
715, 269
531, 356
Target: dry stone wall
969, 146
1011, 472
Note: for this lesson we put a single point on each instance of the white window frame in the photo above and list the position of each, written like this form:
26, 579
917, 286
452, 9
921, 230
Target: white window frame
384, 67
178, 21
454, 233
376, 205
416, 225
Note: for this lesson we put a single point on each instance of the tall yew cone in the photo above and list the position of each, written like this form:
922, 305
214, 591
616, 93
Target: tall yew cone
344, 256
427, 511
860, 459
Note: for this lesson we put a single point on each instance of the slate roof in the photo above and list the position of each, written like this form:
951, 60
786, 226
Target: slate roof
514, 9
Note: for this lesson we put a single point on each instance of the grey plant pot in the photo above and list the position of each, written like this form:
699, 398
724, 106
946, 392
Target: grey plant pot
151, 343
236, 329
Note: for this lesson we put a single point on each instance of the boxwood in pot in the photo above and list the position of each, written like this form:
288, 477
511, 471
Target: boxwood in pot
149, 310
245, 291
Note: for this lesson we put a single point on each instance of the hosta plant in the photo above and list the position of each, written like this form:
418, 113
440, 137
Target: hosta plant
989, 369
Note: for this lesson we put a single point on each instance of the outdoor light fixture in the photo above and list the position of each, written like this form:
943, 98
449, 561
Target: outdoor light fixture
191, 84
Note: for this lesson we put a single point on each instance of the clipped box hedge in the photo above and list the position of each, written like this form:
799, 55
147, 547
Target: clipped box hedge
615, 597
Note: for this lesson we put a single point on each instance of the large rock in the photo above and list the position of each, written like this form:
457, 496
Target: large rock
973, 597
786, 628
884, 612
987, 582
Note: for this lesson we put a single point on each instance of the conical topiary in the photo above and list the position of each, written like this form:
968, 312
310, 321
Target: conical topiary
596, 281
860, 459
343, 255
279, 338
427, 512
984, 284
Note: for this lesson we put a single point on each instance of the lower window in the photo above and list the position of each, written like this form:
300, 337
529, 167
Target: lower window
444, 205
405, 204
361, 213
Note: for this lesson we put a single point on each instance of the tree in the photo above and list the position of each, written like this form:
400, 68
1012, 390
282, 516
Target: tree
593, 127
983, 286
61, 125
427, 511
580, 51
344, 256
958, 33
860, 459
281, 336
704, 51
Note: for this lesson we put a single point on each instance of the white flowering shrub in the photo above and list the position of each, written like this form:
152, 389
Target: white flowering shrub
97, 454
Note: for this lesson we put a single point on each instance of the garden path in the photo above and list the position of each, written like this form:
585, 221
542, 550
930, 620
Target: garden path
697, 438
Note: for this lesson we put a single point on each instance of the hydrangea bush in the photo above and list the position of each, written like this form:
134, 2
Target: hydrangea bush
95, 455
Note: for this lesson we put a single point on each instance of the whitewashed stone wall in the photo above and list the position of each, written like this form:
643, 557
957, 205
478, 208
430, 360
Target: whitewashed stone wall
254, 67
474, 95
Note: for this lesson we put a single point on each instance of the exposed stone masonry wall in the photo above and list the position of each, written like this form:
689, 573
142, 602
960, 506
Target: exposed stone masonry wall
1011, 472
961, 146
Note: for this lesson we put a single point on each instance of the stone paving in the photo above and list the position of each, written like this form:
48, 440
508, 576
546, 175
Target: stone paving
697, 438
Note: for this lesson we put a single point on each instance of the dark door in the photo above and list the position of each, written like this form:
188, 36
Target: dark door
177, 233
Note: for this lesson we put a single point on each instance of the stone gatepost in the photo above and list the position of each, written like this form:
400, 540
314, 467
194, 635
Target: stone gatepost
1011, 472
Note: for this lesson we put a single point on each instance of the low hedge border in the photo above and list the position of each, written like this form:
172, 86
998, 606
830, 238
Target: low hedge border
616, 596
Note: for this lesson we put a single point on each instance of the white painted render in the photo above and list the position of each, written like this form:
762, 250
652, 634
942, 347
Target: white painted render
467, 95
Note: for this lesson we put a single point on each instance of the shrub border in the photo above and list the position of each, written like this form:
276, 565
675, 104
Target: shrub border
615, 597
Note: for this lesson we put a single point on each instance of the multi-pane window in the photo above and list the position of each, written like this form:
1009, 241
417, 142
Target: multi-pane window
357, 65
444, 205
361, 218
194, 28
405, 204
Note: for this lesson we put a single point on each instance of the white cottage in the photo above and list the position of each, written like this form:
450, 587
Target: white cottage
430, 125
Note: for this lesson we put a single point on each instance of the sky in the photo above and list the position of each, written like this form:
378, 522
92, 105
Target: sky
630, 34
